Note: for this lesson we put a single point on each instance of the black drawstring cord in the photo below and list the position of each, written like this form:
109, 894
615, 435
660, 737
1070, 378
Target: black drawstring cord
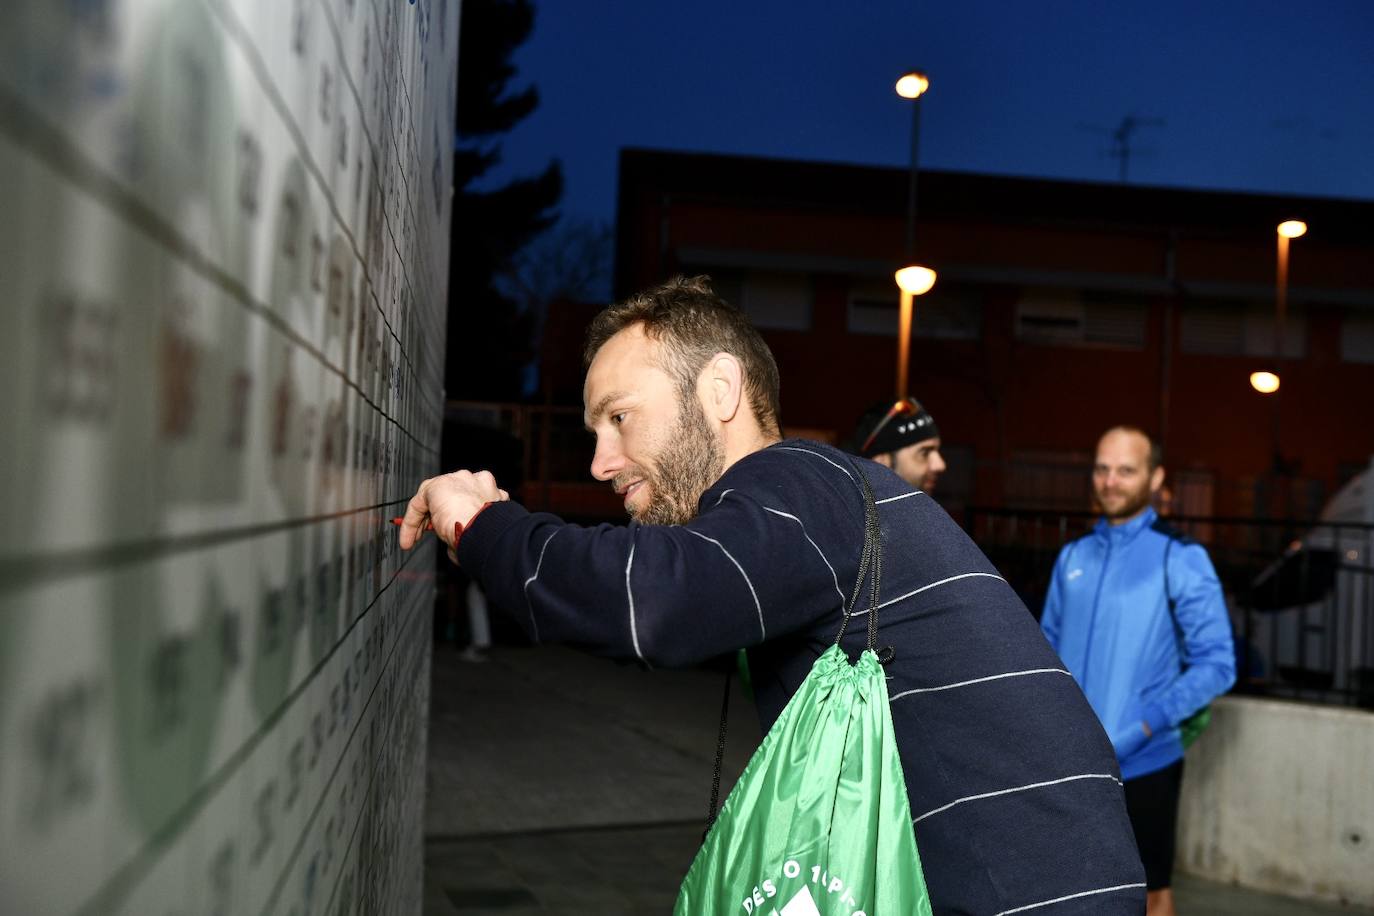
871, 557
720, 756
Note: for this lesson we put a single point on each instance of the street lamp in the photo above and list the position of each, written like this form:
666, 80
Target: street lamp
1287, 231
1292, 228
915, 280
1264, 381
912, 86
912, 280
1267, 382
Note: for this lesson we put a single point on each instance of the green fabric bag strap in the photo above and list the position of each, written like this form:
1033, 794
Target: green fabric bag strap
870, 568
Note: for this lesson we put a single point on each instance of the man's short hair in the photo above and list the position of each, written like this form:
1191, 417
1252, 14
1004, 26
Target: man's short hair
692, 324
1156, 451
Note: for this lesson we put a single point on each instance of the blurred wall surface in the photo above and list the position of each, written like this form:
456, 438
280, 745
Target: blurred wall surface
1276, 797
223, 260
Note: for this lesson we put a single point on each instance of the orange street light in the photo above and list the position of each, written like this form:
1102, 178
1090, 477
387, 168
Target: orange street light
913, 281
1292, 228
1287, 230
1264, 382
912, 84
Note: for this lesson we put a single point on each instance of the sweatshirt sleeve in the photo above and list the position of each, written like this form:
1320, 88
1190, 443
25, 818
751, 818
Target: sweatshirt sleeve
742, 571
1209, 658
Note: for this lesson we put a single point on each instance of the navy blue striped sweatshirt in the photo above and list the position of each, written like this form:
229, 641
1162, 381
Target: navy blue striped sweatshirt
1014, 788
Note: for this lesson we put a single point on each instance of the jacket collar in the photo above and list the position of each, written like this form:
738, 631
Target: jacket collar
1119, 534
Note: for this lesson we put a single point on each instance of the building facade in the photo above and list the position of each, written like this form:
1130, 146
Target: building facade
1061, 308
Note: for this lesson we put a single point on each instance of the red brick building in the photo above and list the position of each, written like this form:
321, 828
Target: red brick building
1061, 308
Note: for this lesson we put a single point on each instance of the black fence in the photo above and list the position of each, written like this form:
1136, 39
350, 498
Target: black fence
1300, 594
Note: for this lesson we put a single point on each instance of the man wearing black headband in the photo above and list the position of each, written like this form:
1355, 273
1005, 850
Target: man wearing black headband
902, 436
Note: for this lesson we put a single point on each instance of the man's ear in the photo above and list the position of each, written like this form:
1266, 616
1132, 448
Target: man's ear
883, 458
722, 387
1156, 479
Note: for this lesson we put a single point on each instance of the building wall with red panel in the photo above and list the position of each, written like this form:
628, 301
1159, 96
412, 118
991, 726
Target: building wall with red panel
1180, 286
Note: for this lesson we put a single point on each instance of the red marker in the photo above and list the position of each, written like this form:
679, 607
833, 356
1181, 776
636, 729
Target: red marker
398, 520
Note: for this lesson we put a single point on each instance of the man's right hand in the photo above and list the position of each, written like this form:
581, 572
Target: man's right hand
447, 501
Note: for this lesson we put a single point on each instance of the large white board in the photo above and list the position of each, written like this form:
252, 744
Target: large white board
223, 262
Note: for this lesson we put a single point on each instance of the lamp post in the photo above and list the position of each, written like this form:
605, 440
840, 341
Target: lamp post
1287, 230
1266, 381
913, 279
912, 86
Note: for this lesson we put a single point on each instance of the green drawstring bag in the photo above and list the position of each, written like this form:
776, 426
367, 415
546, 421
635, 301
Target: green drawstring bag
1191, 728
819, 823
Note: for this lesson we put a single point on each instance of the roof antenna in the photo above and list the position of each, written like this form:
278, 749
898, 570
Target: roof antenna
1122, 149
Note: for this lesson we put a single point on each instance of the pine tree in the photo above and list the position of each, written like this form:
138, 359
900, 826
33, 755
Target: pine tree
489, 339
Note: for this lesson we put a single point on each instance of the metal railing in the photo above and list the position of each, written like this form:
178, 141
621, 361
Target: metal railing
1300, 593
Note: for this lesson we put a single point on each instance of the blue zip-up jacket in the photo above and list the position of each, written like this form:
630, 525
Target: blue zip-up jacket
1107, 615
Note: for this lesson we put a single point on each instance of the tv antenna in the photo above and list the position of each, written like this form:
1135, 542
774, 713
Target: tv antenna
1122, 135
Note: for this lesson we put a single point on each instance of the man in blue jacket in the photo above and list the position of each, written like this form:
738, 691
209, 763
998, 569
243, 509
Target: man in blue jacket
1137, 614
741, 538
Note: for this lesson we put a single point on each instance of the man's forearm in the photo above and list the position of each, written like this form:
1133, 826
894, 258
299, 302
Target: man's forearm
665, 595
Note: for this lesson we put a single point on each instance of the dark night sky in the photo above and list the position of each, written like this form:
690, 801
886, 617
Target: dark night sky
1256, 95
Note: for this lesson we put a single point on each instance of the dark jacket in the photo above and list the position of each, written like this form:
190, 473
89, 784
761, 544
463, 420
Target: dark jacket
1014, 789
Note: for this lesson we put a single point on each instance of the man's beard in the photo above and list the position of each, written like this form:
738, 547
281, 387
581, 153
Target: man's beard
1130, 503
691, 459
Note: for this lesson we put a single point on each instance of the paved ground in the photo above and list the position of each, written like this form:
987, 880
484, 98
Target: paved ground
565, 784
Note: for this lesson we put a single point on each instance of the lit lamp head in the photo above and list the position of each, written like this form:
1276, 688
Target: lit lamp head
1264, 381
915, 280
1292, 228
912, 85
